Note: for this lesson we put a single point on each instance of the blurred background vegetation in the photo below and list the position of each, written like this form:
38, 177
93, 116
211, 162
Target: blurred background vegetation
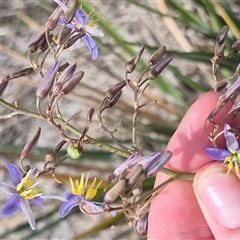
187, 28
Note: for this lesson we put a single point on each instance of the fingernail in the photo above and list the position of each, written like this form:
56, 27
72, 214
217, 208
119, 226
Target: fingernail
220, 195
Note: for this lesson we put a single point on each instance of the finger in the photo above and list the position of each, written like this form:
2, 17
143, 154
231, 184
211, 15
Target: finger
190, 140
175, 213
218, 196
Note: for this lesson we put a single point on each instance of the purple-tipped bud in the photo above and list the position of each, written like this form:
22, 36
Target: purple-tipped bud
47, 81
231, 92
90, 114
115, 191
71, 11
133, 175
127, 165
63, 67
141, 226
73, 40
31, 144
155, 166
222, 35
130, 65
157, 56
65, 76
112, 91
36, 44
71, 83
236, 46
53, 19
110, 102
3, 86
159, 67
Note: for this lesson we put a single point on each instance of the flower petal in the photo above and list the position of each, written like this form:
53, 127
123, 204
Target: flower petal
38, 201
231, 141
66, 207
15, 174
12, 205
91, 46
61, 5
75, 45
217, 154
81, 17
6, 188
92, 209
28, 213
94, 31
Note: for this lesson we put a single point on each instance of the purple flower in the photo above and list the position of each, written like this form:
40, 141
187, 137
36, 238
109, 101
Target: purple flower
80, 23
22, 193
231, 155
81, 196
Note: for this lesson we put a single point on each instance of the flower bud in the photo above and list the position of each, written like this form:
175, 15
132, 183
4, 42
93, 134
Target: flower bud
115, 191
36, 44
112, 101
47, 81
3, 85
71, 11
65, 34
155, 166
53, 19
90, 114
73, 40
63, 67
219, 55
69, 85
141, 226
130, 65
221, 86
133, 175
159, 67
73, 151
236, 46
128, 164
222, 35
65, 76
31, 144
157, 56
18, 74
112, 91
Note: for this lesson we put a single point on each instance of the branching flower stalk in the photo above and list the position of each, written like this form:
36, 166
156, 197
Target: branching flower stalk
124, 191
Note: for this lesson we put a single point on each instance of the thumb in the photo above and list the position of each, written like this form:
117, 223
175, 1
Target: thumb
218, 196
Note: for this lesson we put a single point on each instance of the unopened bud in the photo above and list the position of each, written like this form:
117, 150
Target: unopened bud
141, 226
71, 11
18, 74
53, 19
115, 191
31, 144
3, 85
47, 81
36, 44
159, 67
219, 55
90, 114
157, 56
111, 92
65, 34
71, 83
73, 40
133, 175
112, 101
130, 65
65, 76
73, 151
222, 35
236, 46
155, 166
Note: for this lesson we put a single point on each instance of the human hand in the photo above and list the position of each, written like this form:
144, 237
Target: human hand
208, 207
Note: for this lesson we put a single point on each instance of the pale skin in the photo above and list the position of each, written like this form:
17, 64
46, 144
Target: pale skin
209, 207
